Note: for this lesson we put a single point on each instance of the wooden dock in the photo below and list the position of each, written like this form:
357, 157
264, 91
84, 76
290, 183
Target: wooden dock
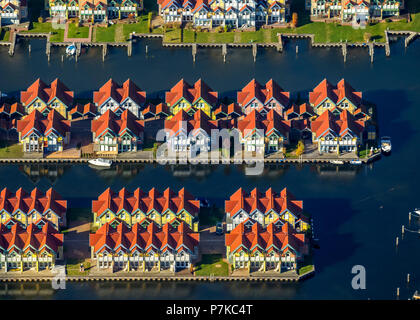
164, 278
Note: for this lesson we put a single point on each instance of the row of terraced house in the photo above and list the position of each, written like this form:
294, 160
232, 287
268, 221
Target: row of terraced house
232, 13
359, 10
153, 231
264, 118
96, 11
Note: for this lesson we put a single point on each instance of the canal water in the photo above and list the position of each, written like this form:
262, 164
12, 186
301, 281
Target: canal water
358, 211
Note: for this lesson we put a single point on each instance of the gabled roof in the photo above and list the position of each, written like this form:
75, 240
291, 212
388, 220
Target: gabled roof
112, 89
263, 93
118, 125
191, 93
338, 125
146, 201
144, 238
183, 121
264, 202
161, 109
273, 121
84, 110
30, 237
229, 110
35, 200
335, 93
271, 238
300, 110
13, 109
43, 125
47, 93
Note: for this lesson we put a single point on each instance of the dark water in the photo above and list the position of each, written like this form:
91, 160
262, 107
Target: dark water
358, 212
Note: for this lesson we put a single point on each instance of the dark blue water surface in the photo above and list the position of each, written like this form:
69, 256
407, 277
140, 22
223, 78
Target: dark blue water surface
358, 212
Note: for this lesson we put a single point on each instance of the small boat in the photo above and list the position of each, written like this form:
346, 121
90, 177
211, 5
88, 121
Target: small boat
386, 144
356, 162
337, 162
71, 50
101, 162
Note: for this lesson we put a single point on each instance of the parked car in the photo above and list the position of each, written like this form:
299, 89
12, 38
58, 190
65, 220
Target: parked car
219, 228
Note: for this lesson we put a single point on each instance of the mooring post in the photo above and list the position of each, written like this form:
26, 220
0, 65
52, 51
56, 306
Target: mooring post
402, 231
194, 50
396, 241
254, 51
398, 292
147, 49
29, 48
297, 49
409, 217
224, 52
408, 278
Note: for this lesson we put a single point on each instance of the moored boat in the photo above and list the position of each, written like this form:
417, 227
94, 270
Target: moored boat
337, 162
101, 162
71, 49
386, 146
356, 162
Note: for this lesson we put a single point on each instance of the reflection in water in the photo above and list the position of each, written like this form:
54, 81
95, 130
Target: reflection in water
150, 290
128, 172
36, 172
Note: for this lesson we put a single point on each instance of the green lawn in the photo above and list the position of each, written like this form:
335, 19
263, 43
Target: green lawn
57, 34
188, 36
141, 26
10, 151
306, 269
172, 35
73, 267
212, 264
104, 34
78, 32
4, 34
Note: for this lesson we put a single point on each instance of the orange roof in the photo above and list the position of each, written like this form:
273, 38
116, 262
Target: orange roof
339, 125
300, 110
109, 121
273, 122
145, 202
334, 93
264, 202
35, 200
158, 110
15, 108
266, 240
47, 93
31, 237
264, 94
182, 120
228, 110
191, 93
83, 110
44, 125
144, 239
118, 93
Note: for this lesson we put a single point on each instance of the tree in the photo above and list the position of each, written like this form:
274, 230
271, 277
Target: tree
300, 148
367, 36
294, 19
149, 21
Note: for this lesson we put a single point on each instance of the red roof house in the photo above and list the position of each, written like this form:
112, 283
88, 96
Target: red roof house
254, 96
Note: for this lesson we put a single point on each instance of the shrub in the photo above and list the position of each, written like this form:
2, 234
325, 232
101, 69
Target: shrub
367, 36
40, 19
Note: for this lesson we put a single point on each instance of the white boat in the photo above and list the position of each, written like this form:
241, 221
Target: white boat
356, 161
386, 144
337, 162
71, 50
101, 162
